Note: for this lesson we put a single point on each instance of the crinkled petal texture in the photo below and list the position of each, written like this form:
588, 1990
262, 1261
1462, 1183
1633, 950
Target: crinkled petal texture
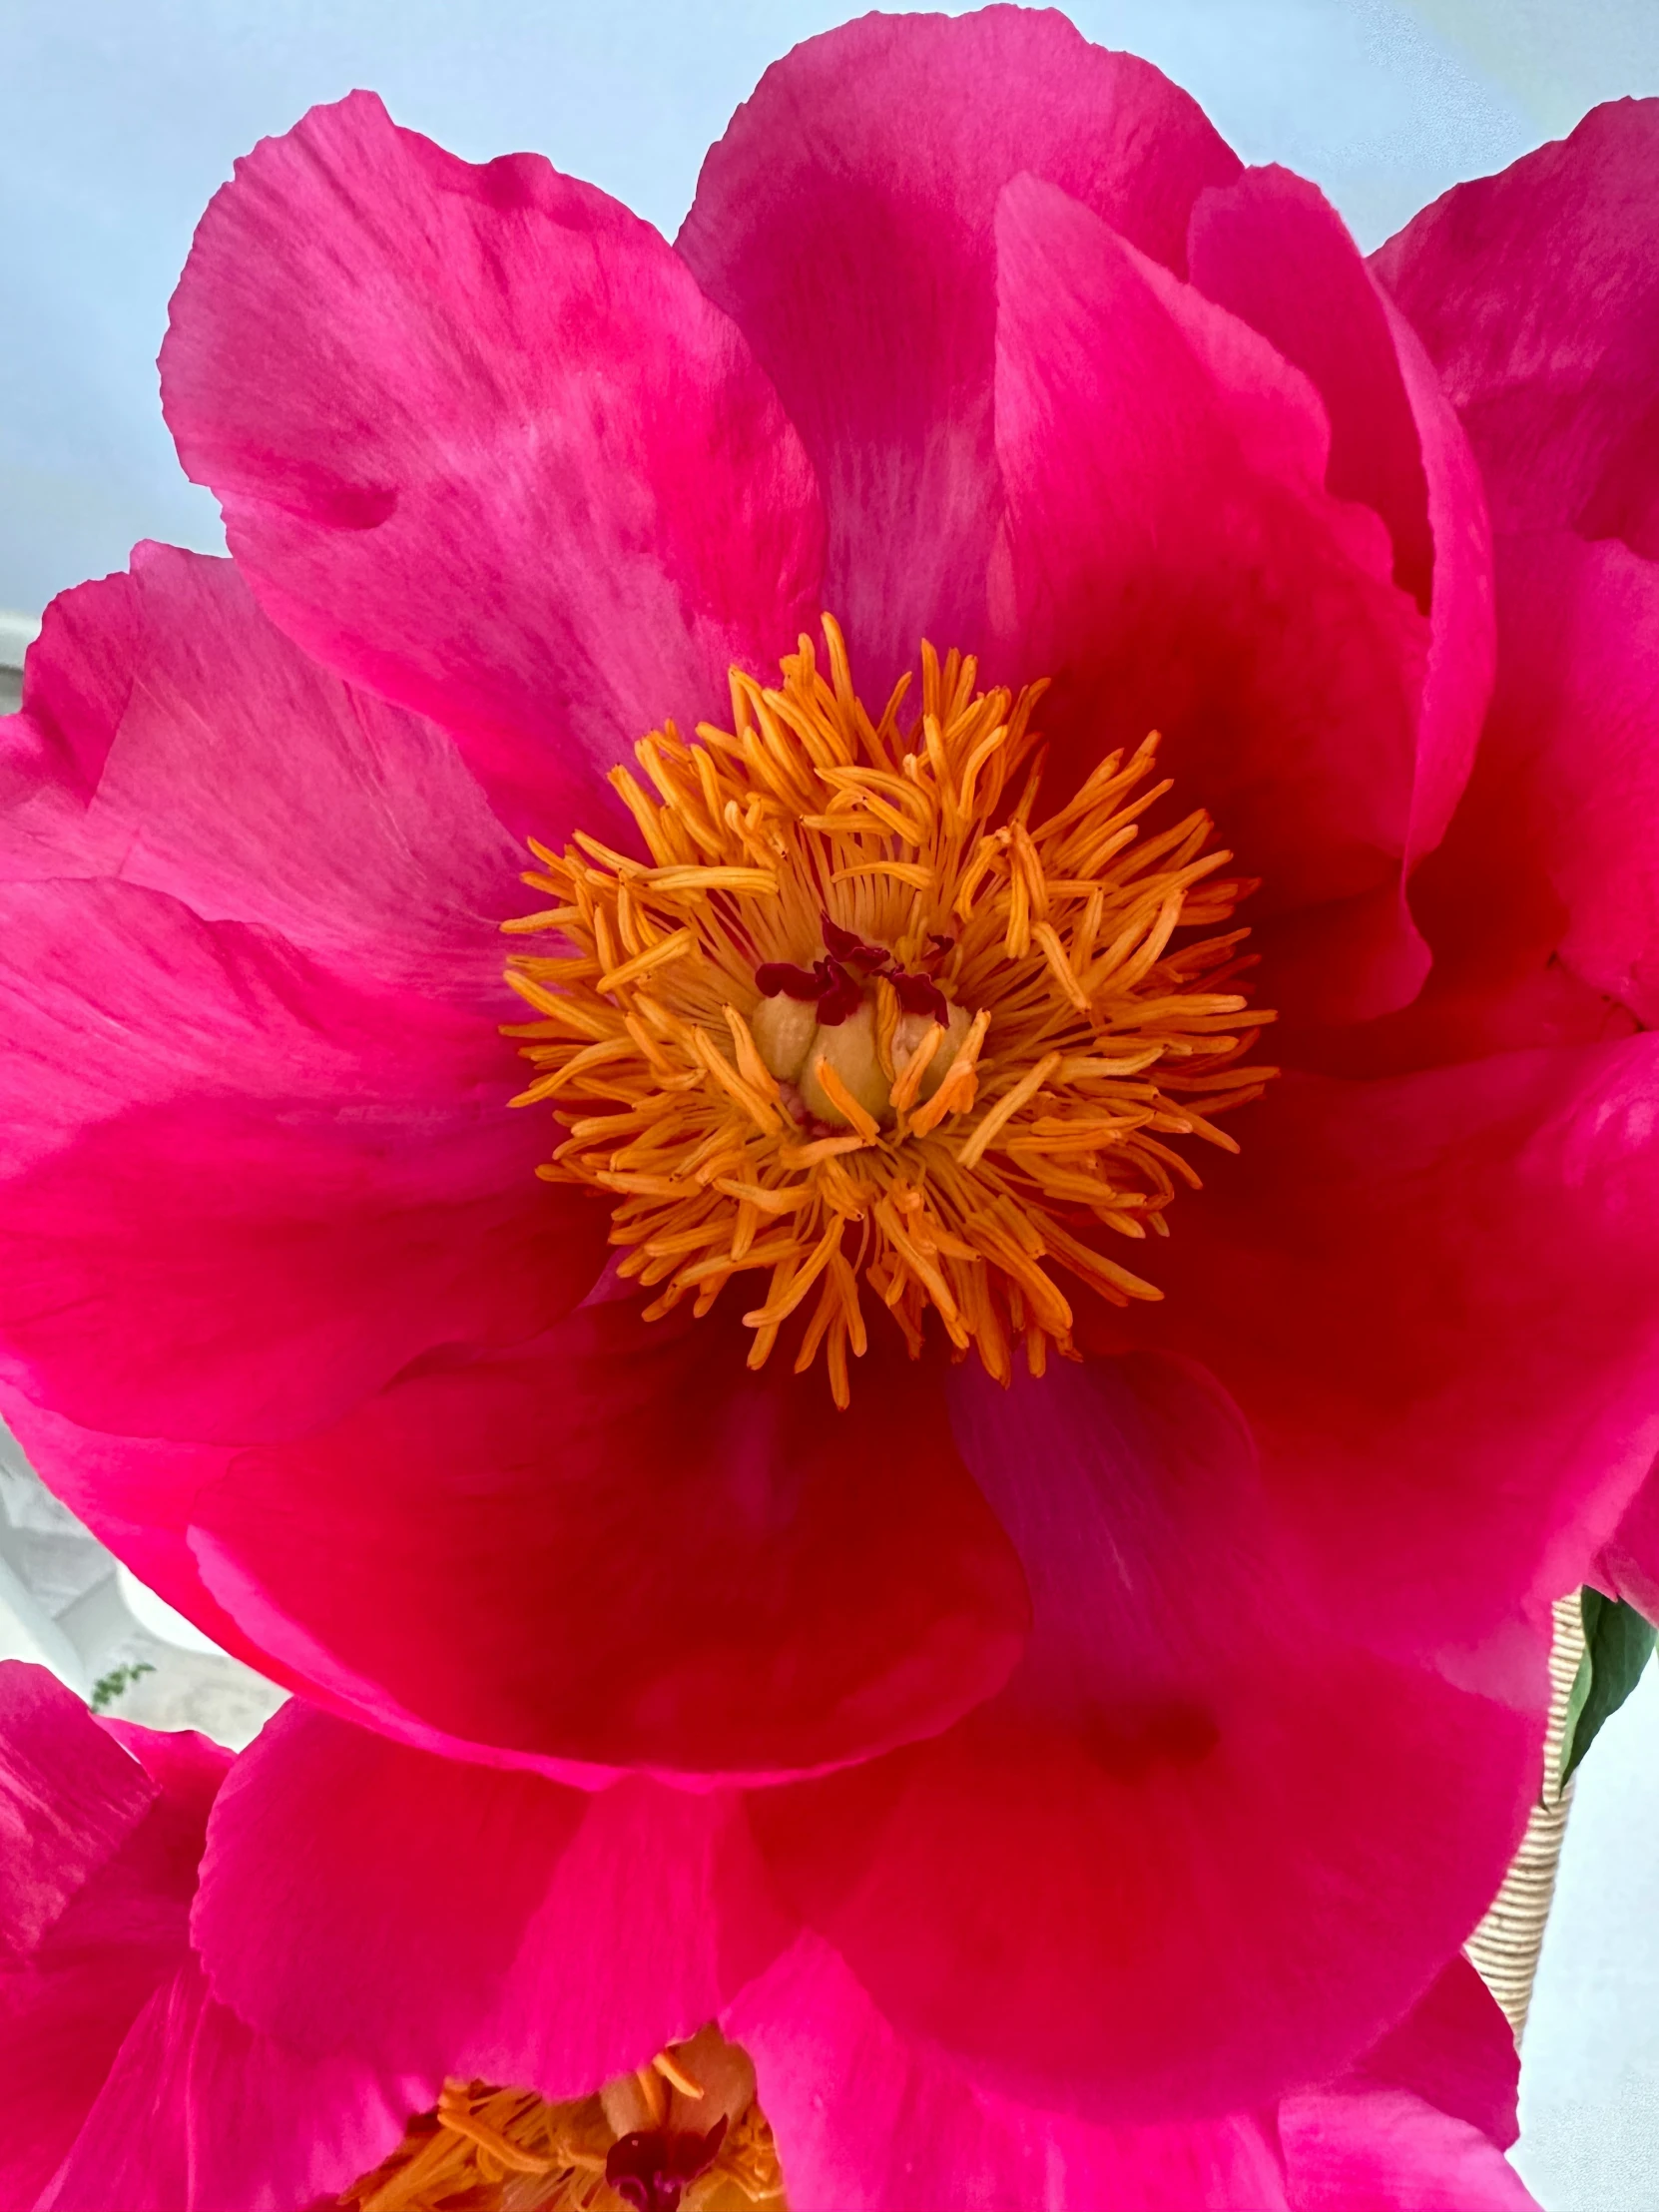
1118, 1885
482, 444
94, 1882
1236, 509
1536, 293
845, 221
257, 1150
130, 2085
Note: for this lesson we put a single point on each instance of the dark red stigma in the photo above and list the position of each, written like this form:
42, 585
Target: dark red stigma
650, 2168
774, 976
919, 994
836, 984
864, 960
836, 989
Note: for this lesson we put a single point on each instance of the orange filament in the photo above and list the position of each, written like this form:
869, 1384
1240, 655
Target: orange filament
486, 2149
950, 1163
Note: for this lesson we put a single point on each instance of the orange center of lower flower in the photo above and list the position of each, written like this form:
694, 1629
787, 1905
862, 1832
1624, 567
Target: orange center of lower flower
683, 2134
865, 1020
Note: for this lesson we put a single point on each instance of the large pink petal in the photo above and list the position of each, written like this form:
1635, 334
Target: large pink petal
617, 1546
1175, 562
73, 1982
359, 1896
1364, 2148
846, 219
1272, 250
1456, 2050
867, 2120
1567, 795
1536, 293
482, 445
201, 2114
252, 1191
1543, 905
194, 749
1118, 1888
596, 1927
1435, 1299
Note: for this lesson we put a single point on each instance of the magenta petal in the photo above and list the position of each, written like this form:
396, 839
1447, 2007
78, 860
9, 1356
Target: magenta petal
1377, 2149
617, 1547
211, 1275
330, 1911
869, 2121
310, 1183
94, 1882
1177, 564
192, 748
78, 681
1436, 1299
1455, 2050
1117, 1887
253, 994
1272, 250
1548, 876
845, 221
201, 2114
658, 1911
483, 446
72, 1799
436, 1918
1535, 294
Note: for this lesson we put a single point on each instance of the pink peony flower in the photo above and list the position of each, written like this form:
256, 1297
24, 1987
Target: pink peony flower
137, 2079
1089, 1699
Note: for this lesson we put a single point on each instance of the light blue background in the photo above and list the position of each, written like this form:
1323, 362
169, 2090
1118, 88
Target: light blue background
123, 116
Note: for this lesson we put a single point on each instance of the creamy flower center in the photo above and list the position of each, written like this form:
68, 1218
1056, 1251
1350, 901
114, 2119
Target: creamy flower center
683, 2134
864, 1020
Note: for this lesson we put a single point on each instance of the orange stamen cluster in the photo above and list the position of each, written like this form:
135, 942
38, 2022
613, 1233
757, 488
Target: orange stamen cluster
1014, 1140
486, 2149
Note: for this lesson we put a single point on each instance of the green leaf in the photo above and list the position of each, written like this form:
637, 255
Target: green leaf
1617, 1645
109, 1686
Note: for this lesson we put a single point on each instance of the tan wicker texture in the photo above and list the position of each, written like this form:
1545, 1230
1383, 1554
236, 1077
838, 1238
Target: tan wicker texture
1505, 1946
